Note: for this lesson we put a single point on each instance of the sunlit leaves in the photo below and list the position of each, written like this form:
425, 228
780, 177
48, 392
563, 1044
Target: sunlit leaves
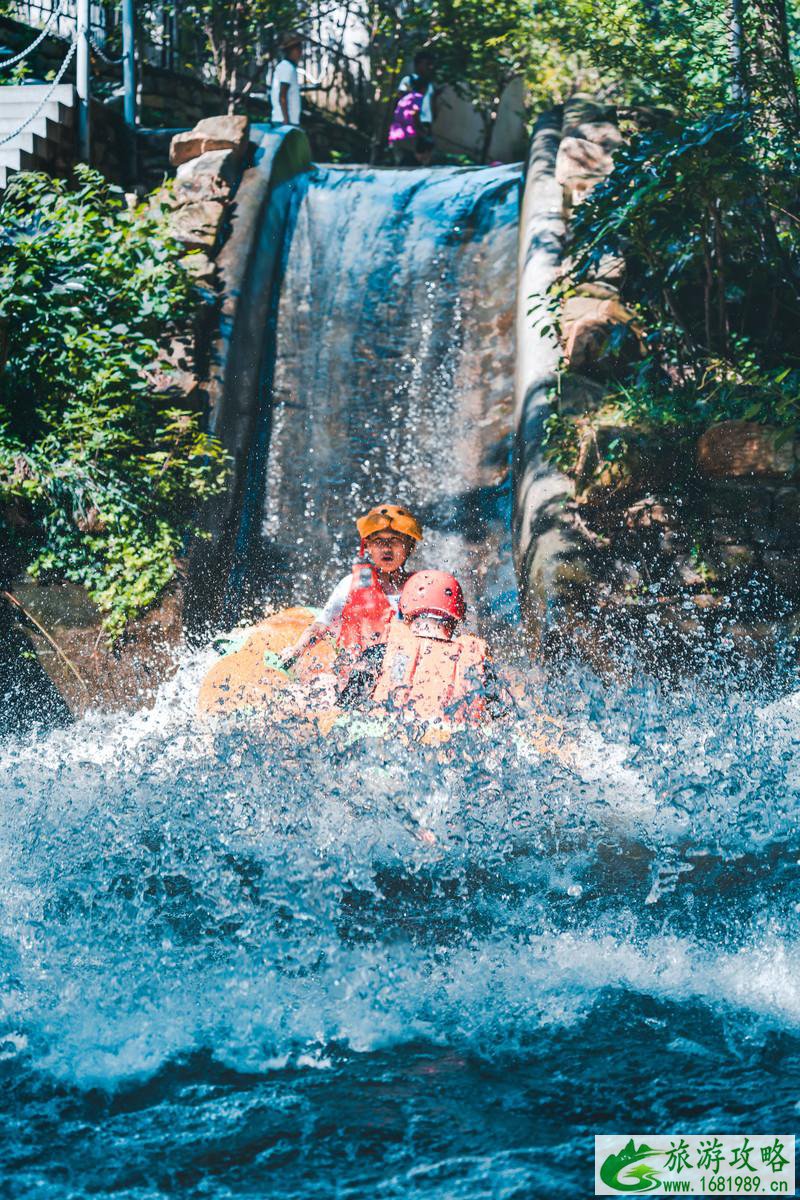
109, 471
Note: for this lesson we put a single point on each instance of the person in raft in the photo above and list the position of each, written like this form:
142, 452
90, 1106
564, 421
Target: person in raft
410, 135
361, 606
426, 667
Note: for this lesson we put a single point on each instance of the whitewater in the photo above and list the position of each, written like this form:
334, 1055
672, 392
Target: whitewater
239, 960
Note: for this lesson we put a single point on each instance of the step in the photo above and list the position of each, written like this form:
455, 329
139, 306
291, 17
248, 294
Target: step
18, 160
11, 163
44, 126
33, 93
31, 142
17, 111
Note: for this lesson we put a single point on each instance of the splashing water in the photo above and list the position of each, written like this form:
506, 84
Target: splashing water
238, 960
231, 965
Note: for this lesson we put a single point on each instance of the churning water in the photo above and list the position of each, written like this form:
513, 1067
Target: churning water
233, 967
238, 961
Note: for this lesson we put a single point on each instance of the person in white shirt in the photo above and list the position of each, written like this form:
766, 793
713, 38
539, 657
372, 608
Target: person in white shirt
285, 89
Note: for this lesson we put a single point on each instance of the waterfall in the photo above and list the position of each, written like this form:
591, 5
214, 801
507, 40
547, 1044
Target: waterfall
393, 380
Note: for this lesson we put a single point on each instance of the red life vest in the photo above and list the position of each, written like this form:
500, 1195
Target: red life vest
435, 680
367, 613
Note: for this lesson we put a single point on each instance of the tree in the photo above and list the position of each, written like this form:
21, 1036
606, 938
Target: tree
241, 37
479, 48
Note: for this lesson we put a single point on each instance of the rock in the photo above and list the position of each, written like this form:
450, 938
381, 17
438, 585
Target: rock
743, 448
90, 521
607, 462
211, 133
729, 559
173, 380
646, 513
689, 577
598, 334
610, 270
603, 133
202, 270
787, 514
783, 570
580, 164
198, 224
708, 600
579, 395
232, 130
735, 499
585, 110
726, 529
597, 289
210, 176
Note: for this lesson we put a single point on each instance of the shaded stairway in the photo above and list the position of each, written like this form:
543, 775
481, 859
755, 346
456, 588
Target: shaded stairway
42, 120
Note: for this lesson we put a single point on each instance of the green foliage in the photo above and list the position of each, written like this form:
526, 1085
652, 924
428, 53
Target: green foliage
673, 53
704, 213
686, 55
479, 48
236, 40
561, 442
712, 257
100, 469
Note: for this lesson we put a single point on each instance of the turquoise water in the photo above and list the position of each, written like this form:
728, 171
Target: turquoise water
232, 967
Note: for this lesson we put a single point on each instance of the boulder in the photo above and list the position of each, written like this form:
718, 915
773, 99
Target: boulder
743, 448
646, 513
212, 133
198, 224
210, 176
610, 270
579, 395
585, 110
604, 133
200, 267
598, 334
783, 570
173, 381
597, 290
580, 164
607, 462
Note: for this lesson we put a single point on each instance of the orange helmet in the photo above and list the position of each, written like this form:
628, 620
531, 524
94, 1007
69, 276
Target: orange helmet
433, 592
391, 517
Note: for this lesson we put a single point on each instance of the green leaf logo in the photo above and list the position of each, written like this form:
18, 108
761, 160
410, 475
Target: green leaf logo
640, 1178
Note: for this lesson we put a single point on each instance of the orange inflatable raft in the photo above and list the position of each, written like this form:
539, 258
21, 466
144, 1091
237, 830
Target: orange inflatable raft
251, 676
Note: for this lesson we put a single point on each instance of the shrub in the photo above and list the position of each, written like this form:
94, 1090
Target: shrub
100, 472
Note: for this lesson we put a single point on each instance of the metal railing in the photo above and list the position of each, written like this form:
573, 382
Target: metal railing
61, 17
334, 79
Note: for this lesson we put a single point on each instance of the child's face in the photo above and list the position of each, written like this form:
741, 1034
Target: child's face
388, 551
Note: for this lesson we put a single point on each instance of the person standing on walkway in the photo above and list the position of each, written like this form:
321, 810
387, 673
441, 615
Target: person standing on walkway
285, 90
411, 134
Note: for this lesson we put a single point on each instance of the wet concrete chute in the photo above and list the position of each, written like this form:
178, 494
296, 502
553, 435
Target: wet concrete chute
393, 379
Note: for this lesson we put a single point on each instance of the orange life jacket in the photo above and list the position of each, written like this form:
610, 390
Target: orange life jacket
367, 613
435, 680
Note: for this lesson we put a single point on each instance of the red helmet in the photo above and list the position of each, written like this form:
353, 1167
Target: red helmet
433, 592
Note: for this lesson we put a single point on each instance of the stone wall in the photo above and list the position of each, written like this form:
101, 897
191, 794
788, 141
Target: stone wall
674, 544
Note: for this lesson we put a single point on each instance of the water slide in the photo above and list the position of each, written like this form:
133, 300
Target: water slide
230, 967
393, 381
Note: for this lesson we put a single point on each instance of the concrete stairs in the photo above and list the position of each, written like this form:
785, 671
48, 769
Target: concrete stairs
47, 143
